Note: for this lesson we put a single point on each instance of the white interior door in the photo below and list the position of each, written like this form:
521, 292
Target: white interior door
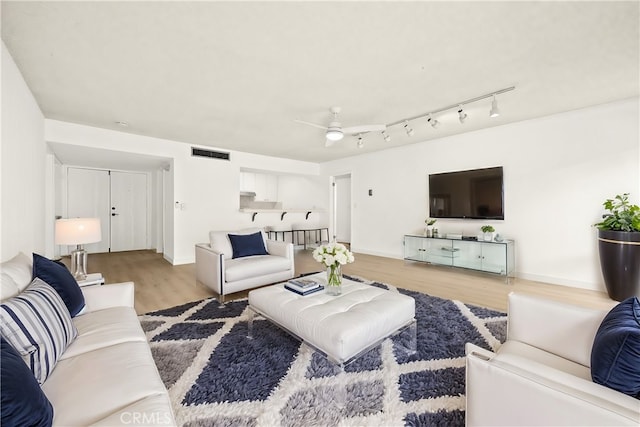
128, 211
88, 197
342, 200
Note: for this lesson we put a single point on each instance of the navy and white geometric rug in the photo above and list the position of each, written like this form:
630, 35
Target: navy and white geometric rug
216, 377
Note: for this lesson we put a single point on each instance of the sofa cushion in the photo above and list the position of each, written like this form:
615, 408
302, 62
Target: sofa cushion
103, 328
254, 266
38, 325
108, 383
247, 244
219, 240
16, 276
23, 402
61, 280
615, 356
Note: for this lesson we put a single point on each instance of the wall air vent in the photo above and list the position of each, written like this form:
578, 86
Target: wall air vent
199, 152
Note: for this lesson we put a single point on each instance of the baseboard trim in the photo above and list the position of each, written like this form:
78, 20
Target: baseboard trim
562, 282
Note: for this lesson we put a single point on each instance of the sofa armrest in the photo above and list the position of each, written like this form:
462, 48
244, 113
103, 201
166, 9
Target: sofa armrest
210, 267
108, 296
515, 391
565, 330
283, 249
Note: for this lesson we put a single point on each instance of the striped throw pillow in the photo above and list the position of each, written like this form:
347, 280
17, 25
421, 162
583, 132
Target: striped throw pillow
38, 325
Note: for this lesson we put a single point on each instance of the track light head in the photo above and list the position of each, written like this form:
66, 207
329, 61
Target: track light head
433, 122
360, 141
407, 128
386, 136
462, 116
495, 111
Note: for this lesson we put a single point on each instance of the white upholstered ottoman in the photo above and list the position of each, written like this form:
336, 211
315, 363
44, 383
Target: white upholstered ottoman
342, 327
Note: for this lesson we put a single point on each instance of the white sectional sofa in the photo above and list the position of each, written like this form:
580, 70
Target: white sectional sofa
541, 375
107, 375
218, 268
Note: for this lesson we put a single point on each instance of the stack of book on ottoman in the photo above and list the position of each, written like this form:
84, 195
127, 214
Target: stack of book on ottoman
303, 286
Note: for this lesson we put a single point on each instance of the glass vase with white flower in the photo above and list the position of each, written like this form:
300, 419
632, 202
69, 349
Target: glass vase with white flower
333, 256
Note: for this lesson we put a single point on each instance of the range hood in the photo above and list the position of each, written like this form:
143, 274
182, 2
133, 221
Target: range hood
247, 194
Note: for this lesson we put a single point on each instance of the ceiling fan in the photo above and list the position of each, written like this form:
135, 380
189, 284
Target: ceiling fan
335, 131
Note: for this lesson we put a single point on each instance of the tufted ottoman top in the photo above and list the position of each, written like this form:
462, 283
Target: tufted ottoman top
341, 326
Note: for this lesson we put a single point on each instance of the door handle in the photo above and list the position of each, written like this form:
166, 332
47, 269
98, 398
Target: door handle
114, 214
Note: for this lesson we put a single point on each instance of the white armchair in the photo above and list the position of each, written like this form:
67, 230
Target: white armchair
541, 375
217, 269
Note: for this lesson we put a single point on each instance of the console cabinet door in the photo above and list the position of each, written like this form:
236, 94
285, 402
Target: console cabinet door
414, 248
494, 258
467, 255
439, 251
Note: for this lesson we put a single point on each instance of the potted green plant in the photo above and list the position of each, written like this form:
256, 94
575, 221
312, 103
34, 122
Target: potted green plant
488, 231
619, 247
429, 229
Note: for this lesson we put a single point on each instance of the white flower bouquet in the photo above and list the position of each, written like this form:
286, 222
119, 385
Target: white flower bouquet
333, 256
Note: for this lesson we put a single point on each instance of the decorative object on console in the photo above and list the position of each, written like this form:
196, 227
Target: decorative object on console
619, 247
488, 231
78, 231
333, 256
429, 229
615, 356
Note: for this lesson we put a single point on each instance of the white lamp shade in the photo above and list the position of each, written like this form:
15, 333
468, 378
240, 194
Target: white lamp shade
78, 231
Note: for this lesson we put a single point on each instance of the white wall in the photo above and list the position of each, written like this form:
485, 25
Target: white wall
23, 155
207, 190
557, 172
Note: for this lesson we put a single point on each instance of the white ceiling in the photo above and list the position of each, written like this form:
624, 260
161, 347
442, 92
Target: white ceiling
234, 75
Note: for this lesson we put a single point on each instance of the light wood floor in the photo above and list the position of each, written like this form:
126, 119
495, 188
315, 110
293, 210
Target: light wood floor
160, 285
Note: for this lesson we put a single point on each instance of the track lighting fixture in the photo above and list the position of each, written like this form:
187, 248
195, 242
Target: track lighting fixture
433, 122
386, 136
360, 141
462, 116
495, 111
407, 128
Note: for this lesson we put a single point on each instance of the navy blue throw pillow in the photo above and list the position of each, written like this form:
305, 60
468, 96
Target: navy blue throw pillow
23, 402
247, 245
615, 356
61, 280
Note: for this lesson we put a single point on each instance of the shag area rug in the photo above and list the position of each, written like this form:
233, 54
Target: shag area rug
217, 377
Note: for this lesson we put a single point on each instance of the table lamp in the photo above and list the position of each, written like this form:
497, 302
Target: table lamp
78, 231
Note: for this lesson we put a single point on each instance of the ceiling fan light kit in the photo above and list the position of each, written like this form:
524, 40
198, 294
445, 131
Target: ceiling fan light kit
335, 132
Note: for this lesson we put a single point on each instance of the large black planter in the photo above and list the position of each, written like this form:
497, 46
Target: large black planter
620, 262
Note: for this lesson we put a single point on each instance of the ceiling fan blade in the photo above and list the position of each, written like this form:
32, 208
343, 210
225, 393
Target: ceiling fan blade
311, 124
354, 130
329, 143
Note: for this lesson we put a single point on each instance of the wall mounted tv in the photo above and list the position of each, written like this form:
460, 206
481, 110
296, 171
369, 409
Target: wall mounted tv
472, 194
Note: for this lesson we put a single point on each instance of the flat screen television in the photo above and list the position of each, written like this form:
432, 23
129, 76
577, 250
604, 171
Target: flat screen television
473, 193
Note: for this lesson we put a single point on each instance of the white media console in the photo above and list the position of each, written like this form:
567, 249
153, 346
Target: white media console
492, 257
